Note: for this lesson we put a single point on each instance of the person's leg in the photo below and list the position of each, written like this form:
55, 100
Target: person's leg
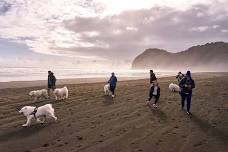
183, 96
189, 98
112, 89
150, 94
49, 91
156, 99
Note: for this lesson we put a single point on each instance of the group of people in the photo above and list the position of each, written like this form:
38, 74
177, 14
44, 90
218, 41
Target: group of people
52, 81
186, 84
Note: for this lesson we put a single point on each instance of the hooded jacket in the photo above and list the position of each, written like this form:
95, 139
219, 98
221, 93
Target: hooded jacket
187, 84
51, 79
112, 81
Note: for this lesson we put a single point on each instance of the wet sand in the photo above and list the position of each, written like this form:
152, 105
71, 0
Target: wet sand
90, 122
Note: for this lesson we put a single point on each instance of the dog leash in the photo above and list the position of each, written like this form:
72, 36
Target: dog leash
34, 112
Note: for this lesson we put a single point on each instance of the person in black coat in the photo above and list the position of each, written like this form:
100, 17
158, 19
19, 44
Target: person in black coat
152, 77
179, 77
154, 92
51, 82
186, 85
112, 82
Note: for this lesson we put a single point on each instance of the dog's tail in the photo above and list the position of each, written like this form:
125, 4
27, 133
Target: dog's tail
66, 91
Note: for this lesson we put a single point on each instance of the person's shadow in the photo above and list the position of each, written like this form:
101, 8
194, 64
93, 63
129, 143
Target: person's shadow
211, 130
108, 100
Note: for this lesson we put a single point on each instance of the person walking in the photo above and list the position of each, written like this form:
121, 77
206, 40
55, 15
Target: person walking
112, 82
51, 82
179, 77
152, 77
186, 85
154, 92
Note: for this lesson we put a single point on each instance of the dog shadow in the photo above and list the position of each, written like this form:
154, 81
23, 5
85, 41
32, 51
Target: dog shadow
22, 132
209, 129
108, 100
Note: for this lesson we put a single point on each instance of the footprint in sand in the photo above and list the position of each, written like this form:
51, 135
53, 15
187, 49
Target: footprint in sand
66, 143
45, 145
183, 136
176, 127
198, 144
60, 145
93, 126
79, 138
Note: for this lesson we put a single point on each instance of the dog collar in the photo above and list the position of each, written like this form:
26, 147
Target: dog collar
34, 112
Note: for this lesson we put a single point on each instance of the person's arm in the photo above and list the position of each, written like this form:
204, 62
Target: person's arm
182, 82
109, 80
193, 84
159, 91
151, 93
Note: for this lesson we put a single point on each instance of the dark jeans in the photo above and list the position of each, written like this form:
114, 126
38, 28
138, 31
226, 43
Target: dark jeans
151, 96
51, 87
187, 96
155, 96
112, 89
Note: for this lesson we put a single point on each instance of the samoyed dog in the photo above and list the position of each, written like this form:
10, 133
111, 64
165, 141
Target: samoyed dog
107, 89
37, 94
61, 93
45, 111
174, 87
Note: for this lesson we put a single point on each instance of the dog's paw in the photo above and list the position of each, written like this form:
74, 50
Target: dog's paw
24, 125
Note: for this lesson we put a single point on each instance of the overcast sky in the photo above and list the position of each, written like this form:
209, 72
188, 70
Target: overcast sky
101, 33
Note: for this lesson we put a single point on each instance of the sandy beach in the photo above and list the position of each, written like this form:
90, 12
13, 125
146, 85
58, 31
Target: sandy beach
90, 122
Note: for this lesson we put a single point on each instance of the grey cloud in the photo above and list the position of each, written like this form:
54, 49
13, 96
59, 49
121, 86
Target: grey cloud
157, 27
4, 7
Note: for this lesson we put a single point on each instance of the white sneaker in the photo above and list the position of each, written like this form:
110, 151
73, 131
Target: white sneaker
188, 113
155, 106
113, 96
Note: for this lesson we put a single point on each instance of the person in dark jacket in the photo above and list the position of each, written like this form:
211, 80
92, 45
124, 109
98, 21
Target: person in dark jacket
112, 82
152, 77
179, 77
154, 92
186, 85
51, 82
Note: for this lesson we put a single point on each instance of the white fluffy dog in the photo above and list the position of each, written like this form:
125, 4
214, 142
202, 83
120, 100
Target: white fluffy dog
107, 89
41, 112
37, 94
174, 87
61, 93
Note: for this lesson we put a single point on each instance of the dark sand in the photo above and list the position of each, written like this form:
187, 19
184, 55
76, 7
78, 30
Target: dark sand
91, 122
